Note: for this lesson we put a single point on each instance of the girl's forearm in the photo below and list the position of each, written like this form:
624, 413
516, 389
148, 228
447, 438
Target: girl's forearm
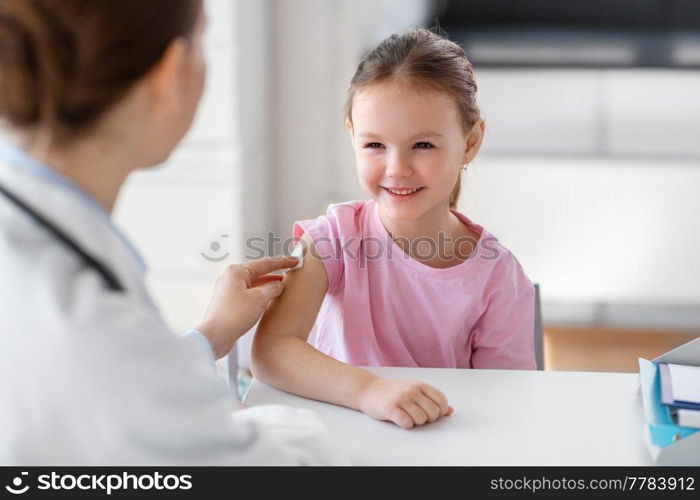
291, 364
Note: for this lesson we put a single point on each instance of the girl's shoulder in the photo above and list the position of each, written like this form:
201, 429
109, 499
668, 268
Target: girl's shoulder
500, 263
336, 236
341, 221
354, 211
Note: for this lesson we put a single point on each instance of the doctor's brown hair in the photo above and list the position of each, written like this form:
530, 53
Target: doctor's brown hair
64, 63
425, 58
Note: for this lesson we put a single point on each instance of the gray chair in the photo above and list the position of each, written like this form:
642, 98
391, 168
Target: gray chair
539, 347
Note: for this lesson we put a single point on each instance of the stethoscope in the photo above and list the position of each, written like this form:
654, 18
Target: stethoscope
110, 279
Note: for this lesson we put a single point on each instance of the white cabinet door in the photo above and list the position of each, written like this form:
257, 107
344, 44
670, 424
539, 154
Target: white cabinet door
541, 111
654, 113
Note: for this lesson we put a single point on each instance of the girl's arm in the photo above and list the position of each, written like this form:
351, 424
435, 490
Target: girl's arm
282, 357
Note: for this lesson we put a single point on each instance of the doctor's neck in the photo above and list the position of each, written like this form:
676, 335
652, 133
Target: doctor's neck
99, 163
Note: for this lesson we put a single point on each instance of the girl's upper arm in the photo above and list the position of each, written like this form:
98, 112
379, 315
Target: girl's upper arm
295, 311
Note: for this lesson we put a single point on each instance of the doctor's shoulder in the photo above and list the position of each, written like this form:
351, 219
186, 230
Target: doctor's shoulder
24, 249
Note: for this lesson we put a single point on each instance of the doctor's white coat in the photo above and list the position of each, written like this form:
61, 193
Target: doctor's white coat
89, 376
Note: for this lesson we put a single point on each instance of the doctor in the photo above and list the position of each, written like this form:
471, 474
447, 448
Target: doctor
91, 90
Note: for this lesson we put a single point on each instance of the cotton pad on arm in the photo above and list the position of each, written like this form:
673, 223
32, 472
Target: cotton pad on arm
299, 254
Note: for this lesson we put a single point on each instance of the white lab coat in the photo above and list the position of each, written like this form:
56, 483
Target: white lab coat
89, 376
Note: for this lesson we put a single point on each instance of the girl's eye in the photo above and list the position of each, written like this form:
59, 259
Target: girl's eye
373, 145
423, 145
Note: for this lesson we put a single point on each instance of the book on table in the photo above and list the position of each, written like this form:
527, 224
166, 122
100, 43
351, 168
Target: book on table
680, 391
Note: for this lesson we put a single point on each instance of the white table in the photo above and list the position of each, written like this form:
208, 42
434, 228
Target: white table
501, 417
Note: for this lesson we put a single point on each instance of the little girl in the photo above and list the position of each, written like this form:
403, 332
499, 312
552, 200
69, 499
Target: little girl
403, 279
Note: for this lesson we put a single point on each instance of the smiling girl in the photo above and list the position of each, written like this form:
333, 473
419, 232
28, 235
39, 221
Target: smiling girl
402, 279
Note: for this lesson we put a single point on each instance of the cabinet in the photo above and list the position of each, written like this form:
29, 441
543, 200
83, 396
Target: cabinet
618, 113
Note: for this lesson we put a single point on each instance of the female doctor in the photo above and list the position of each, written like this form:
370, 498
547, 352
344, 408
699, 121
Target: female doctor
91, 90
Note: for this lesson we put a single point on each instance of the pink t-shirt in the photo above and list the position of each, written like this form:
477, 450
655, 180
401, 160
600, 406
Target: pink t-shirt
384, 308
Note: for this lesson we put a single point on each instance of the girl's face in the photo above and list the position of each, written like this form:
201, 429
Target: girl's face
409, 147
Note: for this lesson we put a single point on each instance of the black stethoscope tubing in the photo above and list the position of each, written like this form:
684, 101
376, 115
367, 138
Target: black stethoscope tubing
110, 279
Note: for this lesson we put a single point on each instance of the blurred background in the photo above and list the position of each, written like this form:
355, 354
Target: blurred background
590, 171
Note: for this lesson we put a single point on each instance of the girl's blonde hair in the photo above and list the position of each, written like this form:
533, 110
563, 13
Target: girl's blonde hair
426, 58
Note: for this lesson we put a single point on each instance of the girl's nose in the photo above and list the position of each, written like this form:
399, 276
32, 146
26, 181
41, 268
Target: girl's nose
398, 166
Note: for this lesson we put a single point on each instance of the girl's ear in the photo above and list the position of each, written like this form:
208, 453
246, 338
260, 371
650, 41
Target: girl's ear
474, 141
348, 125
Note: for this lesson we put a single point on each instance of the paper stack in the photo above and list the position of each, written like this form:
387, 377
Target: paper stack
680, 390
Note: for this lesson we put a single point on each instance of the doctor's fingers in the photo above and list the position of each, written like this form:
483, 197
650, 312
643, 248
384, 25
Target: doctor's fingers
264, 293
267, 279
257, 268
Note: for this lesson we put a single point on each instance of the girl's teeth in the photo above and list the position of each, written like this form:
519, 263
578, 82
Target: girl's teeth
403, 191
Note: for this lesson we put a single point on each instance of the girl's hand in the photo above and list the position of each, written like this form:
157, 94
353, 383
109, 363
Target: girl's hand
404, 402
241, 295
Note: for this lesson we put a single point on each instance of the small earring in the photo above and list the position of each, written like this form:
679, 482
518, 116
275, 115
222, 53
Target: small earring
464, 167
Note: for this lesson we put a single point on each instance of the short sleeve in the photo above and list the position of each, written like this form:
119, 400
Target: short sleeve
504, 336
324, 231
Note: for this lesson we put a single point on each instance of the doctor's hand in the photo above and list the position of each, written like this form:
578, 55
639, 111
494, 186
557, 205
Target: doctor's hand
406, 403
240, 297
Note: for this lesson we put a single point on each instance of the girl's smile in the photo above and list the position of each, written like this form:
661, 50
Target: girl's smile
401, 193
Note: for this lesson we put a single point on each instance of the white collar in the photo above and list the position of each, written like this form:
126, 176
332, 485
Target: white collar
72, 209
